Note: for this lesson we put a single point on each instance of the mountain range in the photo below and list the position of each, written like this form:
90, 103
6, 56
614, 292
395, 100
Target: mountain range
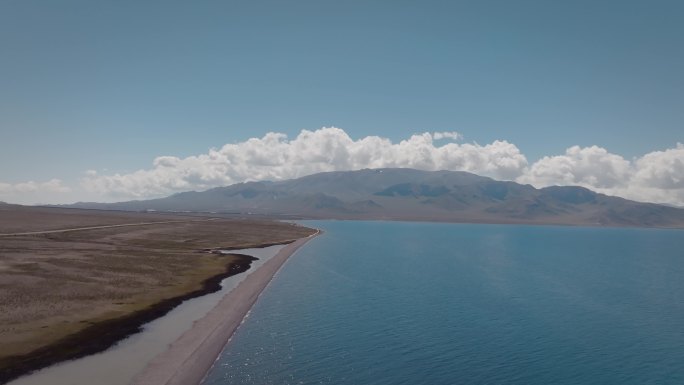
408, 194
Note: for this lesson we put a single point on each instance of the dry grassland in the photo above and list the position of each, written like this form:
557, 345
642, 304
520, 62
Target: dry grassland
54, 285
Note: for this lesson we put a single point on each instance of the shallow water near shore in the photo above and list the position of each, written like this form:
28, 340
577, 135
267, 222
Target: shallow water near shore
120, 363
408, 303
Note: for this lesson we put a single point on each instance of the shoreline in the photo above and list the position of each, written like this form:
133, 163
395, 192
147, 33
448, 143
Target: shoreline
188, 359
102, 335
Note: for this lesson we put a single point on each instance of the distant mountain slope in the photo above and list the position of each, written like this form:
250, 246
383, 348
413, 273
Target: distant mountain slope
415, 195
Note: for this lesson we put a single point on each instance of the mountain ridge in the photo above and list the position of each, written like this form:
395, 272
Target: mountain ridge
409, 194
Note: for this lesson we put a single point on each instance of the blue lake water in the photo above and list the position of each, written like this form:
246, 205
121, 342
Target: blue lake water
422, 303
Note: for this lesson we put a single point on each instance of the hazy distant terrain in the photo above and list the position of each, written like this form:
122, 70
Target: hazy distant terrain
407, 194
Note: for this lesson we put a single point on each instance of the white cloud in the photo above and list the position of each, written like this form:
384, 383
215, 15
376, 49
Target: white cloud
655, 177
32, 192
588, 166
661, 169
453, 135
53, 185
275, 157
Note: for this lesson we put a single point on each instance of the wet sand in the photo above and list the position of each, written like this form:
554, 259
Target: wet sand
187, 360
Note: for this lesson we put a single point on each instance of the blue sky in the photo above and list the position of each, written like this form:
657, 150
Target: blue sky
110, 86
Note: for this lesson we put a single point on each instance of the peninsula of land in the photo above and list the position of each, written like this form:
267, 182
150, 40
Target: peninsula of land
74, 282
188, 359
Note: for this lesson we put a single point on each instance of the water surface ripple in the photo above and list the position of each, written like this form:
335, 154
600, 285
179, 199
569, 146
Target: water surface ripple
408, 303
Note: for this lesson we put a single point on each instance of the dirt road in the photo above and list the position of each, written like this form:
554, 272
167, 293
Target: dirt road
100, 227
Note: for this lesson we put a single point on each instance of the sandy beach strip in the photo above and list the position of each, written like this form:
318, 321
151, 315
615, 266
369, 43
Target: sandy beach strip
188, 359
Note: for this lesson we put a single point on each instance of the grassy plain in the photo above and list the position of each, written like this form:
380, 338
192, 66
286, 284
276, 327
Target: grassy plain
55, 285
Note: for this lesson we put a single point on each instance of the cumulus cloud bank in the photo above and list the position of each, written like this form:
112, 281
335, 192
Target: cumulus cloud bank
655, 177
275, 157
32, 192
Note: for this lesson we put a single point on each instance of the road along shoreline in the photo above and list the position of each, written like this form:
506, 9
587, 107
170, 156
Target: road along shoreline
188, 359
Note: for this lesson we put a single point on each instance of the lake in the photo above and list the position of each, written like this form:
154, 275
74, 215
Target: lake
412, 303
